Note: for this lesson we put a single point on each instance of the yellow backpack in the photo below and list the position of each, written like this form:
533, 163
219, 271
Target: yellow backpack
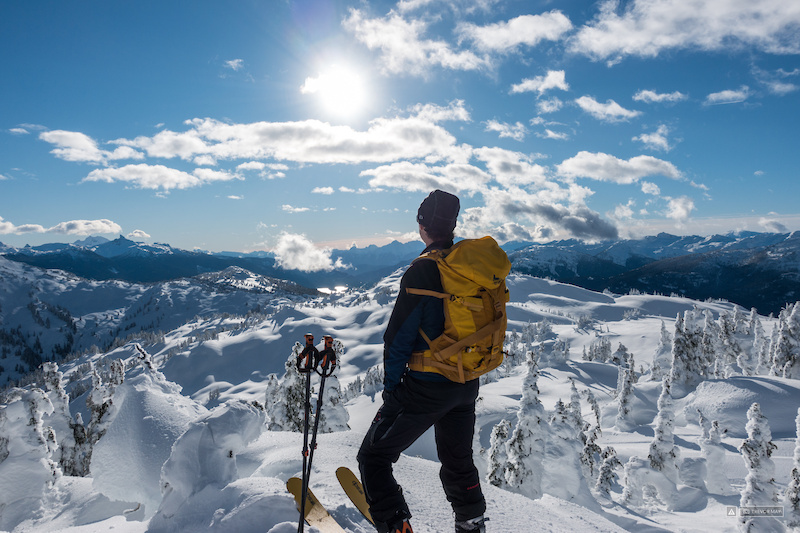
473, 276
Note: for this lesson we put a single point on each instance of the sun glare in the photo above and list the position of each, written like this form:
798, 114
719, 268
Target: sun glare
341, 91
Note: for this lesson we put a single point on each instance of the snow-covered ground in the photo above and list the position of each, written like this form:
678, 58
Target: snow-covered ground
186, 450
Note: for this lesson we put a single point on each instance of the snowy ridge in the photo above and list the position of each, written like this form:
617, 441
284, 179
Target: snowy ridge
183, 447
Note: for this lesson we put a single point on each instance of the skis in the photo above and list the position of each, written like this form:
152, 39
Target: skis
354, 490
316, 514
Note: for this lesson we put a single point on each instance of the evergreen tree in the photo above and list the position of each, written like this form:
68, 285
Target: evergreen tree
663, 452
288, 410
594, 405
624, 421
61, 420
686, 370
26, 453
791, 369
760, 489
608, 477
786, 345
662, 359
792, 496
620, 357
498, 456
564, 476
334, 415
526, 447
712, 451
730, 351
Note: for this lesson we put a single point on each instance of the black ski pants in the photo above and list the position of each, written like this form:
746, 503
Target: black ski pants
408, 411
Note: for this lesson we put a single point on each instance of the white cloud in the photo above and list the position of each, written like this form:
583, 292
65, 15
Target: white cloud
79, 147
291, 209
514, 131
772, 225
650, 188
422, 177
8, 228
554, 79
86, 227
509, 208
296, 252
18, 131
235, 197
730, 96
158, 176
605, 167
550, 105
455, 110
624, 212
72, 227
309, 141
137, 235
680, 209
322, 190
402, 45
657, 140
550, 134
235, 64
645, 28
3, 177
73, 146
528, 30
607, 112
510, 168
650, 97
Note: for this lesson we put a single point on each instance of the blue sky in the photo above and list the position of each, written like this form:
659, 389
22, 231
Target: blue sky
307, 125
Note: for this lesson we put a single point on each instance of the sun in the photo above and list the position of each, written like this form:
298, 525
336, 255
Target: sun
341, 91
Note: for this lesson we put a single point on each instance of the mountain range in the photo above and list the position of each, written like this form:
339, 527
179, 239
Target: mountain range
760, 270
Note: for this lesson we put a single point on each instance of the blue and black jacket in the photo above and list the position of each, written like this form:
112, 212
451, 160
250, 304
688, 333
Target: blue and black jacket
412, 312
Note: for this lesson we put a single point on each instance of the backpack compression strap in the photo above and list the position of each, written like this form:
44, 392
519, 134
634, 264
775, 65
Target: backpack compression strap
439, 359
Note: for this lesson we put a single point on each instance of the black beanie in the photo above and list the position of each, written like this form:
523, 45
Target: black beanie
439, 211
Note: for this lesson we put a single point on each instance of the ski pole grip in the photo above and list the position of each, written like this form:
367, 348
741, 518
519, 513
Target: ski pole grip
327, 357
307, 360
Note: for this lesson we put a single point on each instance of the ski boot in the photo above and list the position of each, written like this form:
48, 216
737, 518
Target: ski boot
473, 525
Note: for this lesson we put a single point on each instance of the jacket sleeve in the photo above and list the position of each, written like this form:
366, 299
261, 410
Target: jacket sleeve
411, 312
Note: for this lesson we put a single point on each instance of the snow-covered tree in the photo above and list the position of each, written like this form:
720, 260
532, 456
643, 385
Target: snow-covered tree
785, 349
608, 478
288, 410
792, 495
599, 350
60, 420
663, 452
526, 447
730, 352
624, 420
498, 455
792, 500
686, 371
27, 469
333, 416
747, 333
662, 359
640, 479
760, 489
712, 451
594, 405
564, 477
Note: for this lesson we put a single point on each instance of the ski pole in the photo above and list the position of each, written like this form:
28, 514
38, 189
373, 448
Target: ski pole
327, 363
306, 362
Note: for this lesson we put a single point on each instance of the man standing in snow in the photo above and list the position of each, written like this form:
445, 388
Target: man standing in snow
415, 400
